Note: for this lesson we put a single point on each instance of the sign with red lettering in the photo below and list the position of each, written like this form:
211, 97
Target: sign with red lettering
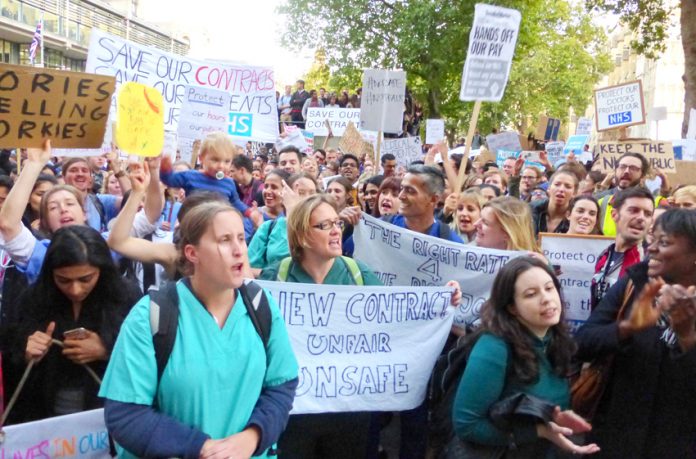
252, 110
69, 108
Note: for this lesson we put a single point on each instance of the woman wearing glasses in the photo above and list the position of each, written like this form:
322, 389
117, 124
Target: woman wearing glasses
314, 237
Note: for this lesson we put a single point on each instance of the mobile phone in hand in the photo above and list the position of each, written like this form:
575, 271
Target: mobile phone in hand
75, 333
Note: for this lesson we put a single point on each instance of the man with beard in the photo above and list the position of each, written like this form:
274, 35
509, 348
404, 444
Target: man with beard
632, 215
630, 170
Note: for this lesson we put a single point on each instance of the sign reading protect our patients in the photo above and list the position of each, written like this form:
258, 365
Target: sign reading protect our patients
491, 46
619, 106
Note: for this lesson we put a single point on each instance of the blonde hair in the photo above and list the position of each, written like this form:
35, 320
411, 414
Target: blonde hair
472, 195
516, 219
220, 143
299, 224
688, 191
194, 225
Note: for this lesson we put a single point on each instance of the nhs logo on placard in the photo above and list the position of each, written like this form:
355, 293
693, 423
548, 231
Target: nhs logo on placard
240, 124
620, 118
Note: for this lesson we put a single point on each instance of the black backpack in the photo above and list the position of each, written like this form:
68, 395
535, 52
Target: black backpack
164, 318
444, 382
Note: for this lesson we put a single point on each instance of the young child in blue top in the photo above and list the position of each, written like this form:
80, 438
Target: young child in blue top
217, 151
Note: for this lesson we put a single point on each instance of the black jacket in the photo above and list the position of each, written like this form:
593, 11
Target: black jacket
649, 407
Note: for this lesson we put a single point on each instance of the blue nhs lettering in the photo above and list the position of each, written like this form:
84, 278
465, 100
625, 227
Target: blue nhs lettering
620, 118
240, 124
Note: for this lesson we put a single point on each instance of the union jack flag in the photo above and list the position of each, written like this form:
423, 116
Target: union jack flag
36, 42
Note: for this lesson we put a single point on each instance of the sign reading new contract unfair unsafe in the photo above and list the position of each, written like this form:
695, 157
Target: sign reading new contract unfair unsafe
619, 106
491, 46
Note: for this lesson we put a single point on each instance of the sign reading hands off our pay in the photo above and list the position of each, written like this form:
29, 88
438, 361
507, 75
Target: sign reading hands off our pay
140, 128
70, 108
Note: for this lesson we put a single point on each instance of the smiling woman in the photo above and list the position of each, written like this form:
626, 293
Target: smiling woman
655, 337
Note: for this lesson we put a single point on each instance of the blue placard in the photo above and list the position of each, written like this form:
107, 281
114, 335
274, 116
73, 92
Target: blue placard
576, 143
620, 118
240, 124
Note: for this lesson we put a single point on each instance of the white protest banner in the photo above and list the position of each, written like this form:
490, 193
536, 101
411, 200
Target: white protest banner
309, 140
78, 152
584, 126
75, 435
403, 257
434, 131
294, 137
659, 154
491, 46
507, 140
382, 102
338, 119
691, 133
252, 113
203, 110
406, 150
619, 106
366, 349
573, 257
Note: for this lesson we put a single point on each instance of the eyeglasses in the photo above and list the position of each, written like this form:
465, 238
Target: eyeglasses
623, 167
326, 225
349, 165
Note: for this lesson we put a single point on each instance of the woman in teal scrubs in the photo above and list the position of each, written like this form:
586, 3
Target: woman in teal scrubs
222, 394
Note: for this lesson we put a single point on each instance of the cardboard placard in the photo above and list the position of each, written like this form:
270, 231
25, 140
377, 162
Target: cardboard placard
547, 128
619, 106
685, 174
140, 128
660, 154
70, 108
353, 142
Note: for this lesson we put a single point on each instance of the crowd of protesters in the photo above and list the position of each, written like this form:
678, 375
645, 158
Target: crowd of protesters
84, 238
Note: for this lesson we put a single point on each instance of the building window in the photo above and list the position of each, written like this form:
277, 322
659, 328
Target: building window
10, 9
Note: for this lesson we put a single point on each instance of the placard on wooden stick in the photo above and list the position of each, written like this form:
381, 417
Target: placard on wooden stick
70, 108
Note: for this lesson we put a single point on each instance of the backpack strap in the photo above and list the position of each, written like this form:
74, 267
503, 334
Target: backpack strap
100, 210
354, 270
284, 269
164, 320
257, 306
443, 231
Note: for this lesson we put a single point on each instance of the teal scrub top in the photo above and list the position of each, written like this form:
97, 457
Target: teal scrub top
269, 244
214, 376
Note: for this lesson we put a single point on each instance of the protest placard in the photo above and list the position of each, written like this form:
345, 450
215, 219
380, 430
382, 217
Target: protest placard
685, 173
251, 89
576, 144
686, 148
547, 128
434, 131
403, 257
554, 150
354, 143
203, 110
660, 154
81, 435
489, 57
140, 126
338, 119
584, 126
573, 257
367, 349
619, 106
382, 101
406, 150
507, 140
70, 108
501, 155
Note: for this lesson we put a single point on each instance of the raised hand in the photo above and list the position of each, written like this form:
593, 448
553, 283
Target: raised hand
644, 313
40, 155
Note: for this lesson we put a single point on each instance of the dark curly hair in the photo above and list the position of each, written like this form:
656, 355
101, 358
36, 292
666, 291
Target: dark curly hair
498, 320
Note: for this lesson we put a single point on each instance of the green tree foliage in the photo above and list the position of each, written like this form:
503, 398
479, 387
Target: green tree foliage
556, 63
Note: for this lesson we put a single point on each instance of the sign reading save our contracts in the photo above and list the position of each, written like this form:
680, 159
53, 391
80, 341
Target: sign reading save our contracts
69, 108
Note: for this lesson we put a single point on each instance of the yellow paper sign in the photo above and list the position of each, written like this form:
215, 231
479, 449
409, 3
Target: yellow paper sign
140, 127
